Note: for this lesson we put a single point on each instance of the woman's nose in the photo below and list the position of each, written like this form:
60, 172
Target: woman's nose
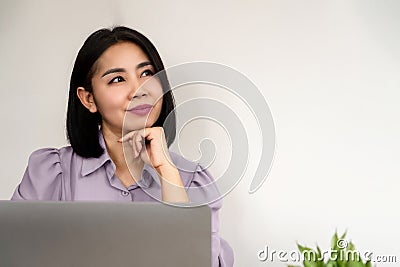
139, 94
138, 91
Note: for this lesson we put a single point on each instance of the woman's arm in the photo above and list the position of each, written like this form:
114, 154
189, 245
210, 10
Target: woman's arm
172, 189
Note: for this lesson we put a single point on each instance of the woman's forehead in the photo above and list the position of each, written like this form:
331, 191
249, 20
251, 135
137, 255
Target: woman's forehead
124, 54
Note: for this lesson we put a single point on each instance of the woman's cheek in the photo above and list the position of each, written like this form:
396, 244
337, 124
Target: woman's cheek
155, 113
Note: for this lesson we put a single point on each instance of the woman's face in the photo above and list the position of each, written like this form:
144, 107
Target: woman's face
119, 73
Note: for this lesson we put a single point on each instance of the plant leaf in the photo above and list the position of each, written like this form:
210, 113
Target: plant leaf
351, 246
334, 242
344, 234
355, 264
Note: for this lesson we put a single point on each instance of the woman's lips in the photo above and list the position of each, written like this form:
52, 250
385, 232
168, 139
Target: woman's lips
141, 110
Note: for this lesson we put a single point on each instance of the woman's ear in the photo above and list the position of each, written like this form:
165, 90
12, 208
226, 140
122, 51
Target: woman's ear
86, 99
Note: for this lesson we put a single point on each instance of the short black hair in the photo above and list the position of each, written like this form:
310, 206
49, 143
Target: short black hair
82, 125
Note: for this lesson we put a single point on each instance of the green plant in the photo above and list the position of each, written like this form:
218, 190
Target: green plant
342, 254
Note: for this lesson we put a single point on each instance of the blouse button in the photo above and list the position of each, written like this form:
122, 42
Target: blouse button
124, 193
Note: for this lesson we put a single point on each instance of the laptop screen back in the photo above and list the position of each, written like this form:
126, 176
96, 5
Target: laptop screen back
103, 234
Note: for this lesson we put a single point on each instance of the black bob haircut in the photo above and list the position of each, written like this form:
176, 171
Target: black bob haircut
82, 125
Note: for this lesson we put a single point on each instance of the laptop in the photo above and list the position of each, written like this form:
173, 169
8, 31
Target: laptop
103, 234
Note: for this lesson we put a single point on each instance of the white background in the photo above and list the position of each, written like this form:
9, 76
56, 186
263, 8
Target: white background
329, 70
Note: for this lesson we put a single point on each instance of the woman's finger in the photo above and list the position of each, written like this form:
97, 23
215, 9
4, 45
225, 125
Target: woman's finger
136, 146
127, 137
144, 155
138, 142
130, 140
139, 147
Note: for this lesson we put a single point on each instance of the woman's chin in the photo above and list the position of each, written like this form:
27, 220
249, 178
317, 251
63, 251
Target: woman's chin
131, 128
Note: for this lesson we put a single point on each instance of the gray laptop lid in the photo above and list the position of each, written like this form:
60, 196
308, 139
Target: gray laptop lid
103, 234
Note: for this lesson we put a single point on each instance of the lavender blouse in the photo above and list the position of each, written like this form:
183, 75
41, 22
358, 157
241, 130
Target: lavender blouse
62, 175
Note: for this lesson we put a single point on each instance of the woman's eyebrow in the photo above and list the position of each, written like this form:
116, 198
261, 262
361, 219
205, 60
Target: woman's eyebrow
140, 65
113, 71
143, 64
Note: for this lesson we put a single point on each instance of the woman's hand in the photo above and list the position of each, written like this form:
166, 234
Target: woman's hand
150, 144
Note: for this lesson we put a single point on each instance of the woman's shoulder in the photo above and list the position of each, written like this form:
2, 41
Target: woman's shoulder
50, 155
43, 175
192, 170
49, 161
183, 164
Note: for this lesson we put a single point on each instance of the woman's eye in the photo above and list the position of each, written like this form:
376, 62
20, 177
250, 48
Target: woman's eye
117, 79
146, 73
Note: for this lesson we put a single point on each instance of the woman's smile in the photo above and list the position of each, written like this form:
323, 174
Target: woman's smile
141, 110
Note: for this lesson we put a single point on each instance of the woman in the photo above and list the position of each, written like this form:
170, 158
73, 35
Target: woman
106, 99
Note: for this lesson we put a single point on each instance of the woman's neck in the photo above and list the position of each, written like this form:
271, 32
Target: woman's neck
127, 174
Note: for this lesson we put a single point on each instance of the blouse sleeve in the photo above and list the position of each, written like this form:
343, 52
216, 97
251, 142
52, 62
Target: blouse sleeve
222, 253
42, 177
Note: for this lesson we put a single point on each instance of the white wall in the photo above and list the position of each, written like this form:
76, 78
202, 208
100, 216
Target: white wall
328, 69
